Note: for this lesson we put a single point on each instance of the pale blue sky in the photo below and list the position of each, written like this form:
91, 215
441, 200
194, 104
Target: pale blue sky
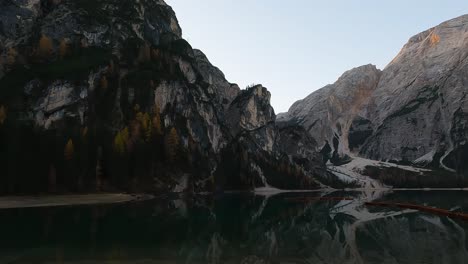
295, 47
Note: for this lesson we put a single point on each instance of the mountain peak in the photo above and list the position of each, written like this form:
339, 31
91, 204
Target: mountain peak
447, 37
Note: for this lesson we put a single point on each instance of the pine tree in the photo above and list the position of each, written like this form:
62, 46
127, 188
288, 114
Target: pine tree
99, 170
3, 114
155, 54
172, 145
45, 47
192, 151
69, 150
244, 156
111, 67
192, 145
52, 179
144, 53
282, 167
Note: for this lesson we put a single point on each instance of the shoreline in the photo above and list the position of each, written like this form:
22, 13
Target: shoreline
13, 202
29, 201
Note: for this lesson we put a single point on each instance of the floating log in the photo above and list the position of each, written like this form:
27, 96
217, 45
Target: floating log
421, 208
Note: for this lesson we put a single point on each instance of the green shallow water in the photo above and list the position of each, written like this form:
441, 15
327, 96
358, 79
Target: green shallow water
240, 228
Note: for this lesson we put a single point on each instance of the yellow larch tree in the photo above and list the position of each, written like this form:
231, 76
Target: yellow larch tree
172, 144
45, 47
157, 122
120, 141
63, 49
145, 123
11, 56
69, 150
104, 83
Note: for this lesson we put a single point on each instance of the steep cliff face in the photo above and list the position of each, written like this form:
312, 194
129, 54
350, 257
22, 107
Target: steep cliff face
419, 109
414, 111
107, 95
328, 113
260, 154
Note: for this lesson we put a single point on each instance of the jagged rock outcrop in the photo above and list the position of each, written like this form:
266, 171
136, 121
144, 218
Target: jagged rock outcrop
107, 95
301, 148
328, 113
227, 92
262, 152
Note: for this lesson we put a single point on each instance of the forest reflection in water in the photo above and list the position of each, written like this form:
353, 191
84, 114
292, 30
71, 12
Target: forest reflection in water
241, 228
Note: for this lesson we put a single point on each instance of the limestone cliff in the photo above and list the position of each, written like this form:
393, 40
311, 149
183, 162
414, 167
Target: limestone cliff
107, 95
419, 109
414, 111
328, 113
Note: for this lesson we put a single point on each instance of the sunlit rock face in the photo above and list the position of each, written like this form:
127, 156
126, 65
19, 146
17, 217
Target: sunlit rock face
108, 95
419, 109
328, 113
414, 111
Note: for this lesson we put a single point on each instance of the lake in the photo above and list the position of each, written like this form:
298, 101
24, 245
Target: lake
241, 228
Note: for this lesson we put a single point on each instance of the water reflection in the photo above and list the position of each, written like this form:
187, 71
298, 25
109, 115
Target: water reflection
240, 228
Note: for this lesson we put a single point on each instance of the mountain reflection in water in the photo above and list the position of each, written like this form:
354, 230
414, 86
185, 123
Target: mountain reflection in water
241, 228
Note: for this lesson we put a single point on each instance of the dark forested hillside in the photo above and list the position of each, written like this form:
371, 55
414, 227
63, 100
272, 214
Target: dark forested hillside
107, 95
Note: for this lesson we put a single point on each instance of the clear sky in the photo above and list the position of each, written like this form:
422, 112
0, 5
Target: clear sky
294, 47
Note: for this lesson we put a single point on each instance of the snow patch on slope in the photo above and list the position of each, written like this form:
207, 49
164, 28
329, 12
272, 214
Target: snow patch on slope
359, 164
428, 158
353, 172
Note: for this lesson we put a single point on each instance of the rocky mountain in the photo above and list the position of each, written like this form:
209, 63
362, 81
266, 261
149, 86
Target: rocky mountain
419, 109
415, 111
328, 113
107, 95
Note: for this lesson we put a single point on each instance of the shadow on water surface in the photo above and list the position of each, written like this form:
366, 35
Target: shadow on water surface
240, 228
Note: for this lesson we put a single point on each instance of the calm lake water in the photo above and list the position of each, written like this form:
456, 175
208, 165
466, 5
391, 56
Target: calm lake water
240, 228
